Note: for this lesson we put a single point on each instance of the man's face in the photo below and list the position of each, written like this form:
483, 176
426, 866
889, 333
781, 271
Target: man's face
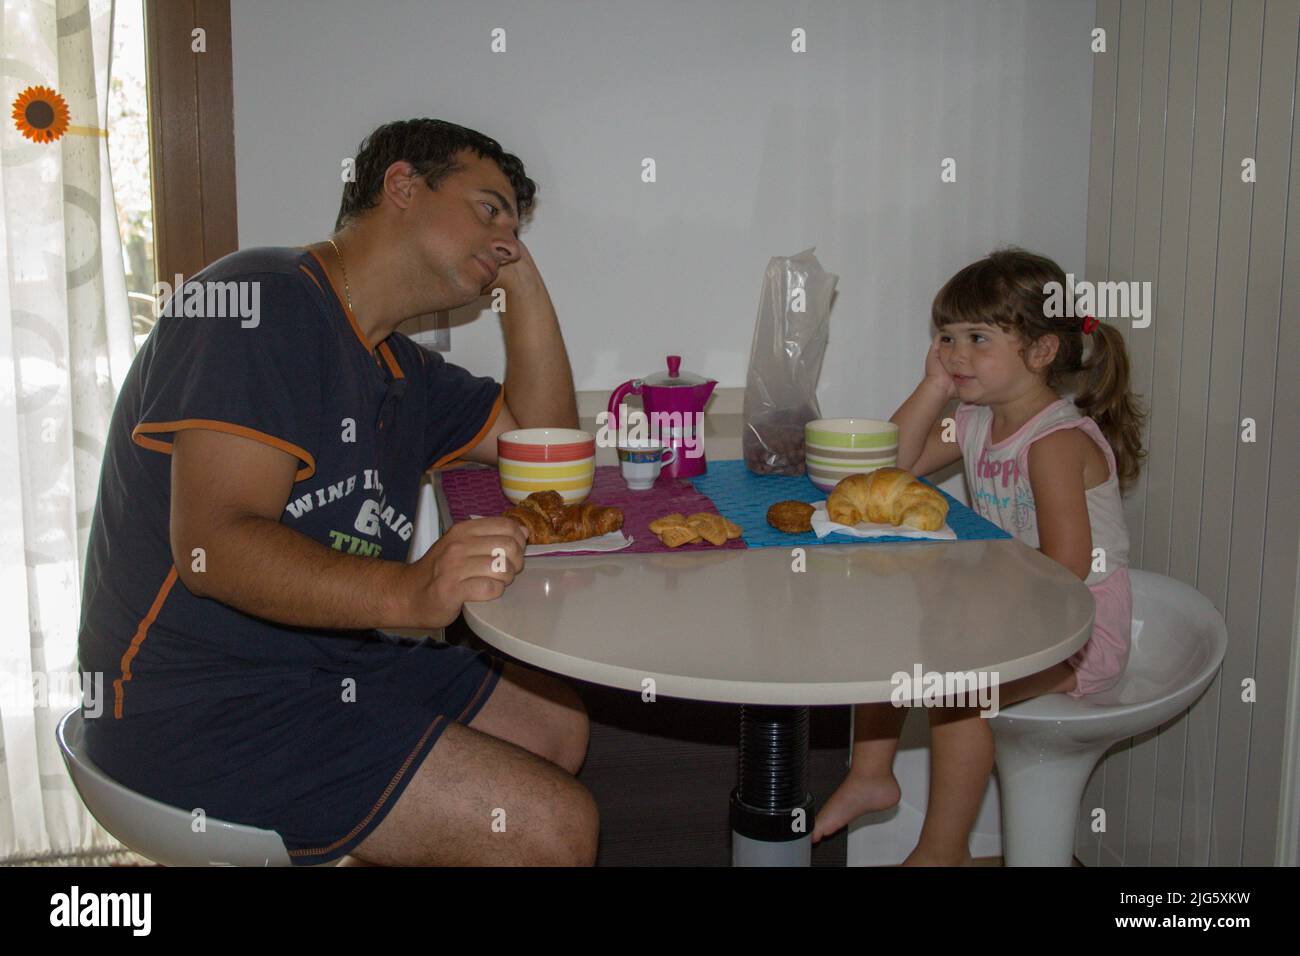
466, 230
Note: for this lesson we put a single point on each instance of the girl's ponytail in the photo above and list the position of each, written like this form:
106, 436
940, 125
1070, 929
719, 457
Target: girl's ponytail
1103, 395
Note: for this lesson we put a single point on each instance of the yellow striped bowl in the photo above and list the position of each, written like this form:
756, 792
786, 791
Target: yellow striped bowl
546, 459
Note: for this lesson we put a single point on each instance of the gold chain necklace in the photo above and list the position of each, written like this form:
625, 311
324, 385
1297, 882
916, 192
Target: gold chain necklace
347, 290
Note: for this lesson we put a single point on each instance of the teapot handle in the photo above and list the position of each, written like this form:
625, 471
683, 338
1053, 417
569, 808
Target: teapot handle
615, 400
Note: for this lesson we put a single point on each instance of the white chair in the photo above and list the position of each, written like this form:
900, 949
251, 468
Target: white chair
1047, 747
163, 833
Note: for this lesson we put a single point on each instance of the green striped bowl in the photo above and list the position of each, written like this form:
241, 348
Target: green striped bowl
835, 448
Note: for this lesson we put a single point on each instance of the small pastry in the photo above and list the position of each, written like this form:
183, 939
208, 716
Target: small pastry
673, 530
676, 519
676, 529
712, 528
790, 516
676, 535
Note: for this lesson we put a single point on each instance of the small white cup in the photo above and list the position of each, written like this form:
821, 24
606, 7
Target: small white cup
641, 462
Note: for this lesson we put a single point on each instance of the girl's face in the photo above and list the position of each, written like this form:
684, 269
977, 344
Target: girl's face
984, 361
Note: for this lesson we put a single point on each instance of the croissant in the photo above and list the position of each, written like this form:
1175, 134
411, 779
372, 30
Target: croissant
550, 521
586, 521
549, 504
887, 496
539, 529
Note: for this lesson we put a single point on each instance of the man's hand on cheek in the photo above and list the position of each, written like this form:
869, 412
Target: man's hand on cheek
516, 277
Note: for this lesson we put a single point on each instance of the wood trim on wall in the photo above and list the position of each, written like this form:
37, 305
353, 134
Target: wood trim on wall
192, 134
1184, 94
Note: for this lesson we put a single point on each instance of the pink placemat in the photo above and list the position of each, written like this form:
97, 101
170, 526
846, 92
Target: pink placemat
477, 491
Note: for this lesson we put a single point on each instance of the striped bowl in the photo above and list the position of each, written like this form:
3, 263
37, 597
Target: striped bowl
837, 447
546, 459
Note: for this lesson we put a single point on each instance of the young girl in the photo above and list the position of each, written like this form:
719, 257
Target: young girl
1049, 471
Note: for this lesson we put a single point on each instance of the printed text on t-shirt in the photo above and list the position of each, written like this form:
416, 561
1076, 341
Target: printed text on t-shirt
1008, 470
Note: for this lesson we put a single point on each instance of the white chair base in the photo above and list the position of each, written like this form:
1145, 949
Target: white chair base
163, 833
1047, 747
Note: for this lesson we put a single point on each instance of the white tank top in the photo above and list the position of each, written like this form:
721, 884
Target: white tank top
998, 476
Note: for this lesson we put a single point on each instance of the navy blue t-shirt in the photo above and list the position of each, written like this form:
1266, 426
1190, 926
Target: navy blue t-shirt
297, 374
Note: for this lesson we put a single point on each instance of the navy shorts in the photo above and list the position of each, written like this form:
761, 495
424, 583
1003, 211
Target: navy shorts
321, 763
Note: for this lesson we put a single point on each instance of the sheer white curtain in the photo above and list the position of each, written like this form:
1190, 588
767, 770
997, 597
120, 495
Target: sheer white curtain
65, 347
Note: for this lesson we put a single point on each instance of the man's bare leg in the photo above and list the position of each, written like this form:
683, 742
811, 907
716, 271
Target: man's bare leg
538, 712
500, 791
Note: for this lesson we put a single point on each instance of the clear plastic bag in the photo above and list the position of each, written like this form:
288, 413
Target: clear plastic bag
785, 361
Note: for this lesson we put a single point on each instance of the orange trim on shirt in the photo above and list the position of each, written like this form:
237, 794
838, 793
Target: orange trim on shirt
154, 444
141, 633
343, 302
482, 432
391, 359
312, 276
393, 367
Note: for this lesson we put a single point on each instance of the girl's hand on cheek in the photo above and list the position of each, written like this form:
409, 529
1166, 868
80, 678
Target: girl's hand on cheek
935, 372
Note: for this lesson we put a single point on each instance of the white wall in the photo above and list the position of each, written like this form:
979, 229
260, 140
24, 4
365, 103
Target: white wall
760, 152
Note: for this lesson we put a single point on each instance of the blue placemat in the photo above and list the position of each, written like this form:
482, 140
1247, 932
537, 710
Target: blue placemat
744, 497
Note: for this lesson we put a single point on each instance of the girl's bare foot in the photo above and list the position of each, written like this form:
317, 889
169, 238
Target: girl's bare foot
858, 794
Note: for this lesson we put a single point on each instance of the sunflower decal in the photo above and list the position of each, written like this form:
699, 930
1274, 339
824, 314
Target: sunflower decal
41, 114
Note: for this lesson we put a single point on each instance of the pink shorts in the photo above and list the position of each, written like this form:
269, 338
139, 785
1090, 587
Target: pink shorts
1100, 663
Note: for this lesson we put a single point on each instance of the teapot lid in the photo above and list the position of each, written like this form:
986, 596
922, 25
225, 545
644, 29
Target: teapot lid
674, 377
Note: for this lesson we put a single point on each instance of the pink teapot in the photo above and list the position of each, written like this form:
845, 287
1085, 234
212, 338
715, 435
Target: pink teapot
674, 406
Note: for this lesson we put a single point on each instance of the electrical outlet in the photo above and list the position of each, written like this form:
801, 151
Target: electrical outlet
433, 331
441, 332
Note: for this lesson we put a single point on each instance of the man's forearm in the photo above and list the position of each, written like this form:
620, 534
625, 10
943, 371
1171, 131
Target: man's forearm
539, 381
264, 568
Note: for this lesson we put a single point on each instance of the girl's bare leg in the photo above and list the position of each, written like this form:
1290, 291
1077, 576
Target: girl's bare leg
961, 759
870, 783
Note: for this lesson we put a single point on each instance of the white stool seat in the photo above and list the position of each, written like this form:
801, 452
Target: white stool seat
1047, 747
163, 833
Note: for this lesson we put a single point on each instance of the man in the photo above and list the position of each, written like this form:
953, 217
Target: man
254, 517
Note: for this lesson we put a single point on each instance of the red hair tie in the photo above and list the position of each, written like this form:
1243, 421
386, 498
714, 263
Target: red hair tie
1089, 324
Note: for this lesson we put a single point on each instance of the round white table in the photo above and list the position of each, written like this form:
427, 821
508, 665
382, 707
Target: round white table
747, 627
